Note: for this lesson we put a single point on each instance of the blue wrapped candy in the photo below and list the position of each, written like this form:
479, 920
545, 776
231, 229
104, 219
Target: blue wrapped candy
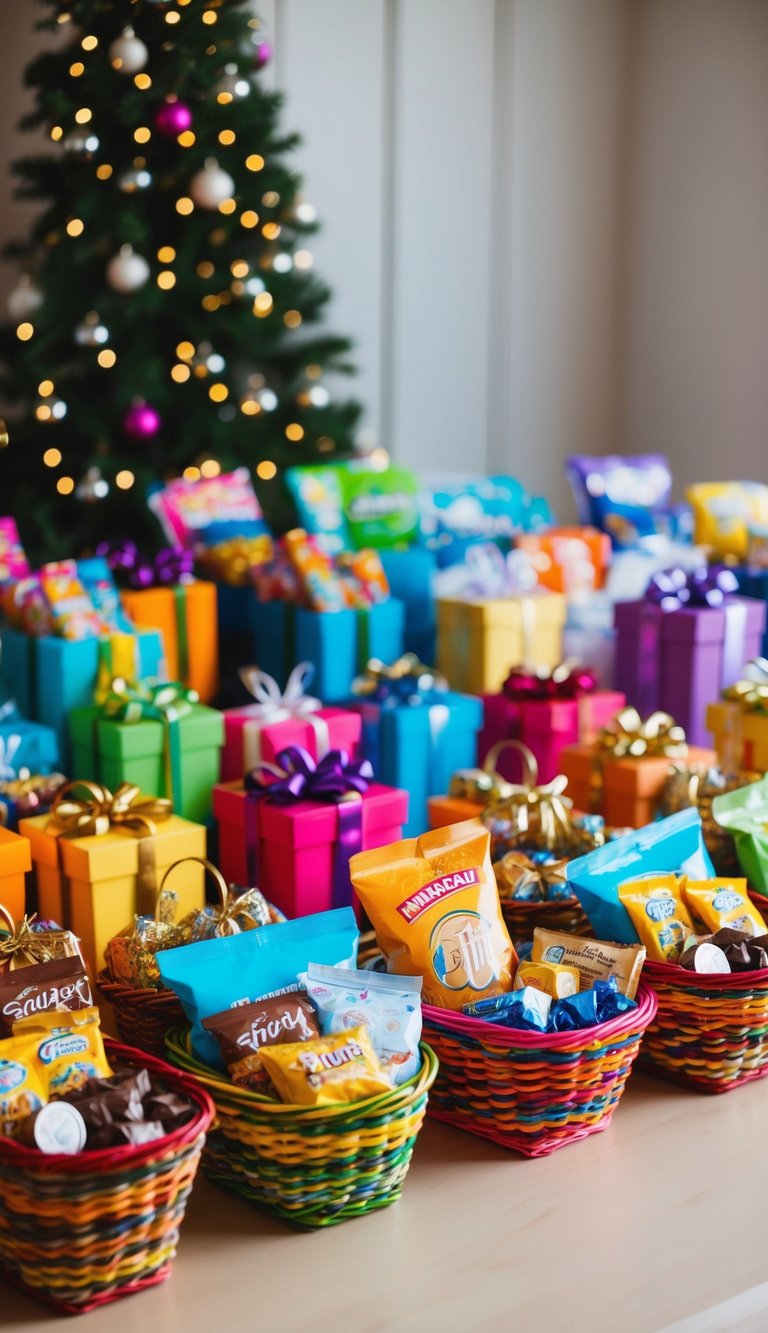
599, 1004
526, 1008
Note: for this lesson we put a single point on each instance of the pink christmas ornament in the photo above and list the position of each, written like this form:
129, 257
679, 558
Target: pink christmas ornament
172, 118
141, 422
262, 55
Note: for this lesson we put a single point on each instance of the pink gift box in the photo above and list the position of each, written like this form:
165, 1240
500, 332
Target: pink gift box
545, 726
297, 842
250, 739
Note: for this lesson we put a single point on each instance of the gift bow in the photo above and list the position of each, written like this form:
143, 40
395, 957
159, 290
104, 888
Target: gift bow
22, 946
516, 869
672, 589
296, 777
492, 574
95, 813
9, 748
132, 701
569, 680
752, 690
407, 680
271, 700
627, 736
529, 812
171, 565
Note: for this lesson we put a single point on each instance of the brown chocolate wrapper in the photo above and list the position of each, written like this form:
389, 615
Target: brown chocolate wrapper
129, 1108
243, 1031
745, 953
61, 983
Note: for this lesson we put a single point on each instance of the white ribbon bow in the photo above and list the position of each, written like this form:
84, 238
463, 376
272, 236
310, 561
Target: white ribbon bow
276, 705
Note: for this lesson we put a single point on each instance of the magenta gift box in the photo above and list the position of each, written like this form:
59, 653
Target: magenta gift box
297, 842
250, 738
682, 660
545, 726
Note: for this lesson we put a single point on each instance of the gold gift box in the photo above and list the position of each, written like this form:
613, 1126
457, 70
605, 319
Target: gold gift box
109, 877
478, 642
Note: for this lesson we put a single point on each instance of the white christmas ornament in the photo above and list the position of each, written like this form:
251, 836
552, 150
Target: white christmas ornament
128, 53
211, 186
126, 272
25, 298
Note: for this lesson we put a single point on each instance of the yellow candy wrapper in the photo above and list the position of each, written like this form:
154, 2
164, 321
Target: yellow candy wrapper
434, 905
326, 1071
555, 979
723, 902
64, 1049
658, 913
23, 1089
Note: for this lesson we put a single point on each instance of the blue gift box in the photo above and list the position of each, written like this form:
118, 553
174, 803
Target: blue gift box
419, 746
27, 745
48, 676
338, 643
411, 575
753, 582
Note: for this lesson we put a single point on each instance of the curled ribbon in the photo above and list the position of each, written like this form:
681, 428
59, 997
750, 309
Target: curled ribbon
627, 736
673, 589
751, 692
517, 875
95, 813
407, 680
569, 680
22, 946
271, 700
249, 907
171, 565
529, 814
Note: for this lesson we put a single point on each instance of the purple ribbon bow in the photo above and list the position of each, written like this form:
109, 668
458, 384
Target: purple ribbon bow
296, 777
673, 589
171, 565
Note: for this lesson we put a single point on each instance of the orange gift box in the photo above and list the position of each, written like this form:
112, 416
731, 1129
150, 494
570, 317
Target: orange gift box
445, 810
15, 861
561, 557
631, 787
186, 616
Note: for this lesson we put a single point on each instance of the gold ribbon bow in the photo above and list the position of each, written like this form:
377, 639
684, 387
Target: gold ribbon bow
752, 691
407, 667
527, 814
249, 908
22, 946
486, 784
516, 872
627, 736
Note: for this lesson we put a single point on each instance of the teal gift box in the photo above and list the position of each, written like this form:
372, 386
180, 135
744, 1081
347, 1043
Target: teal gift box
27, 745
337, 643
179, 759
420, 745
48, 676
411, 574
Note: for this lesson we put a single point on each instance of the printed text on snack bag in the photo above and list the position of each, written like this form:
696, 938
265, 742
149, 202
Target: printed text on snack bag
437, 889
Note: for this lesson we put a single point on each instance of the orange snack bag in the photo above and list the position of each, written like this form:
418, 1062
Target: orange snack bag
434, 905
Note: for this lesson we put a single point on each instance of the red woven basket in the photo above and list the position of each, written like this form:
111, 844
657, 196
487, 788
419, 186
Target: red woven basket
80, 1231
531, 1091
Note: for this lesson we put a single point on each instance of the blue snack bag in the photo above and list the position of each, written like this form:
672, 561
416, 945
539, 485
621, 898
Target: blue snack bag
319, 501
99, 582
620, 495
674, 845
230, 970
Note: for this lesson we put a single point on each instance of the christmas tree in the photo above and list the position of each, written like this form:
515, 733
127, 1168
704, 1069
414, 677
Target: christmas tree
166, 317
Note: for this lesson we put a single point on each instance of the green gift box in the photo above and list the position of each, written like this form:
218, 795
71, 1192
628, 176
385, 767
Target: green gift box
179, 759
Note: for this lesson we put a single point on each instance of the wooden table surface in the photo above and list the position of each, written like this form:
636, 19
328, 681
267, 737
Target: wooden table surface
657, 1224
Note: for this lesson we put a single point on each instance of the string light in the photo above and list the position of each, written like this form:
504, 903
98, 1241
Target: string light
180, 373
313, 372
218, 392
227, 137
325, 444
83, 115
89, 43
292, 319
65, 485
43, 412
249, 407
191, 474
205, 269
124, 480
185, 350
104, 171
45, 388
239, 268
303, 259
294, 432
262, 305
184, 205
249, 219
56, 133
166, 254
142, 81
52, 457
166, 279
24, 331
210, 468
271, 199
106, 358
254, 162
209, 16
266, 470
172, 16
77, 69
185, 139
227, 206
75, 227
142, 134
210, 302
271, 230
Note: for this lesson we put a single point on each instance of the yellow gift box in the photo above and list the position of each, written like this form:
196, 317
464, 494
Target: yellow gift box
105, 881
478, 641
725, 720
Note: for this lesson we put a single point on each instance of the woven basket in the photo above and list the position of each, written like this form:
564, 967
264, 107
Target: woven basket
523, 917
710, 1032
79, 1231
310, 1166
530, 1091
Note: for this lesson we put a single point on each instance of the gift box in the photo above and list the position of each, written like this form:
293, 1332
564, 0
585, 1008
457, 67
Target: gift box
49, 676
411, 575
26, 745
179, 760
186, 616
418, 744
680, 659
445, 810
95, 885
627, 790
257, 732
544, 725
295, 846
568, 559
337, 643
753, 582
589, 635
15, 861
477, 640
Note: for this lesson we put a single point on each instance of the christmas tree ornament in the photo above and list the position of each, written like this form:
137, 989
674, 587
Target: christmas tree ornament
127, 271
141, 421
25, 298
128, 54
137, 178
262, 55
92, 487
83, 142
211, 186
173, 118
91, 332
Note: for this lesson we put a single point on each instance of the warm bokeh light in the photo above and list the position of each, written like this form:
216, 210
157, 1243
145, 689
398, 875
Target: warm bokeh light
180, 373
124, 480
52, 457
185, 350
45, 388
186, 138
65, 485
166, 254
24, 331
218, 392
89, 43
262, 305
210, 468
184, 205
142, 134
292, 319
227, 137
107, 358
83, 115
75, 227
294, 432
249, 218
104, 171
254, 162
191, 474
266, 470
142, 82
166, 279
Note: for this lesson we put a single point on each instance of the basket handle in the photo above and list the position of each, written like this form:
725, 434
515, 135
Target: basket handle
530, 764
208, 866
7, 918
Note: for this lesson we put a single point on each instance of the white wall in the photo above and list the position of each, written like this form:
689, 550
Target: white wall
544, 220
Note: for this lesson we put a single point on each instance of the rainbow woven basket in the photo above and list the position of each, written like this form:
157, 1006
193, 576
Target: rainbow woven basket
310, 1166
142, 1015
79, 1231
710, 1032
532, 1091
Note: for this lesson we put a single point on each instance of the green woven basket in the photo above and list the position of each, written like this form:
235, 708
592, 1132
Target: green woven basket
310, 1166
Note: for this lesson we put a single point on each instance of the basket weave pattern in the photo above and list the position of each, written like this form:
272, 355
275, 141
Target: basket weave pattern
142, 1015
533, 1092
523, 917
79, 1231
310, 1166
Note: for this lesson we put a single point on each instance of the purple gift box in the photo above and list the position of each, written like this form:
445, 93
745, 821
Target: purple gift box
681, 659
